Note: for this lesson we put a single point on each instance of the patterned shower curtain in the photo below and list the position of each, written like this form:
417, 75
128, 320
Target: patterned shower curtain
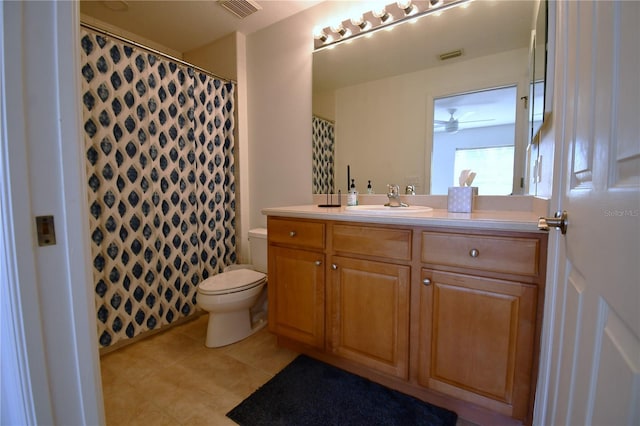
323, 152
160, 167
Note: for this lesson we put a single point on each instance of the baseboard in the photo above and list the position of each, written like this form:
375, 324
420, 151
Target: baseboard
122, 343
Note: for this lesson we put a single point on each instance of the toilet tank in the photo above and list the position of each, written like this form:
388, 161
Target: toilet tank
258, 248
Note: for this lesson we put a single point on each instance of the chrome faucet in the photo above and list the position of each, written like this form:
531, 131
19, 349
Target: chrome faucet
394, 197
410, 190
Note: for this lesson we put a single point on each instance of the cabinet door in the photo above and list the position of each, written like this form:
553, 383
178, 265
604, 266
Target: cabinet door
369, 314
476, 339
296, 295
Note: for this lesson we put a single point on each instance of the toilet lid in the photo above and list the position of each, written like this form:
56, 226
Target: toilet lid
231, 281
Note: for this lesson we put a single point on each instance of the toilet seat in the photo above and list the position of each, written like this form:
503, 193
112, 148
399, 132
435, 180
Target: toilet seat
231, 282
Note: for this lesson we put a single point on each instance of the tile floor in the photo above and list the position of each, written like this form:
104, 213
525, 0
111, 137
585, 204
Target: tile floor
171, 378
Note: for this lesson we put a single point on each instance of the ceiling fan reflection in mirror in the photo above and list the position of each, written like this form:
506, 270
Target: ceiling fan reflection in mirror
452, 125
483, 108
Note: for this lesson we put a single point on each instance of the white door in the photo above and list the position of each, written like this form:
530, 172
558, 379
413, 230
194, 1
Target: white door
593, 315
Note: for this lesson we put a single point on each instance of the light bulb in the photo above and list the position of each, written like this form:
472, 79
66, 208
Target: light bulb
319, 34
382, 14
361, 23
406, 6
341, 30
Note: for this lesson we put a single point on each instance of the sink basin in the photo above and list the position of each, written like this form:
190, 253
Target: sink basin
386, 210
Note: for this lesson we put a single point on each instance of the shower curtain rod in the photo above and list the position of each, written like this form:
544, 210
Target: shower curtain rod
325, 119
154, 51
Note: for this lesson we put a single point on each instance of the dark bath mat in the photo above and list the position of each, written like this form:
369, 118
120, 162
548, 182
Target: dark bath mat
309, 392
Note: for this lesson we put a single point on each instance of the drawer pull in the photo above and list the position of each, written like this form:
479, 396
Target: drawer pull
474, 253
334, 266
426, 281
292, 234
318, 262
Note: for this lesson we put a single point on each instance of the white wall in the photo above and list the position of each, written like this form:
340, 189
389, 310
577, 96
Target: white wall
377, 144
279, 115
324, 105
218, 57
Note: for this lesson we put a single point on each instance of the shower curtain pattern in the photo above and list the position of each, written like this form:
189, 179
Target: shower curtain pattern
323, 151
159, 149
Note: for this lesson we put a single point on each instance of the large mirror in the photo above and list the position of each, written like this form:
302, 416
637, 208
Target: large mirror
374, 99
538, 71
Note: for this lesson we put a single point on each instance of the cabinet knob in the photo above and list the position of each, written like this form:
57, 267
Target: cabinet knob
292, 234
318, 262
334, 266
474, 253
426, 281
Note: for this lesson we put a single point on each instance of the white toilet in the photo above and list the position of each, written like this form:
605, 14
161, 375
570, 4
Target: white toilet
236, 298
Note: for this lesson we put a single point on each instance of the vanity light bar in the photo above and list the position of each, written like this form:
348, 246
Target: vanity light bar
382, 18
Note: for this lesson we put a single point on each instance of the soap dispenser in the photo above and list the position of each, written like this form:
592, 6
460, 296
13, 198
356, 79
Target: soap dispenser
352, 197
369, 188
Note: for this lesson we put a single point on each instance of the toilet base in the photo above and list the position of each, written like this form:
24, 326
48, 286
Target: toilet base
225, 328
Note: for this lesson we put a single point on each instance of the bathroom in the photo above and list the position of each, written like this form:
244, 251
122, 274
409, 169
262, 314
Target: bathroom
123, 316
269, 184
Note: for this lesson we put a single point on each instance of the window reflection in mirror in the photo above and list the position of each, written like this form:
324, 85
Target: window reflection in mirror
475, 131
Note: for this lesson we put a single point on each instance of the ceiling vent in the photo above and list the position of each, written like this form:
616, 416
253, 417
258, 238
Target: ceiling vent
450, 55
240, 8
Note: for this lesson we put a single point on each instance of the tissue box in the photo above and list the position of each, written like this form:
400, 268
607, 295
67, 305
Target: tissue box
461, 199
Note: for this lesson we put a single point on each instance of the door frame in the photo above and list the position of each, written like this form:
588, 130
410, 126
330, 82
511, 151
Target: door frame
51, 321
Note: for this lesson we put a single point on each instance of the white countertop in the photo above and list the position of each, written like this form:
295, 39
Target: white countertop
480, 219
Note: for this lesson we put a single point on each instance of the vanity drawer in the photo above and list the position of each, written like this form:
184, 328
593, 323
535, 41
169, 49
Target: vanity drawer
509, 255
297, 233
372, 241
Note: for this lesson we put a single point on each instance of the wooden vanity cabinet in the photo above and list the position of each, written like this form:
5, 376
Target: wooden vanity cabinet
476, 340
296, 288
368, 297
449, 315
477, 319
